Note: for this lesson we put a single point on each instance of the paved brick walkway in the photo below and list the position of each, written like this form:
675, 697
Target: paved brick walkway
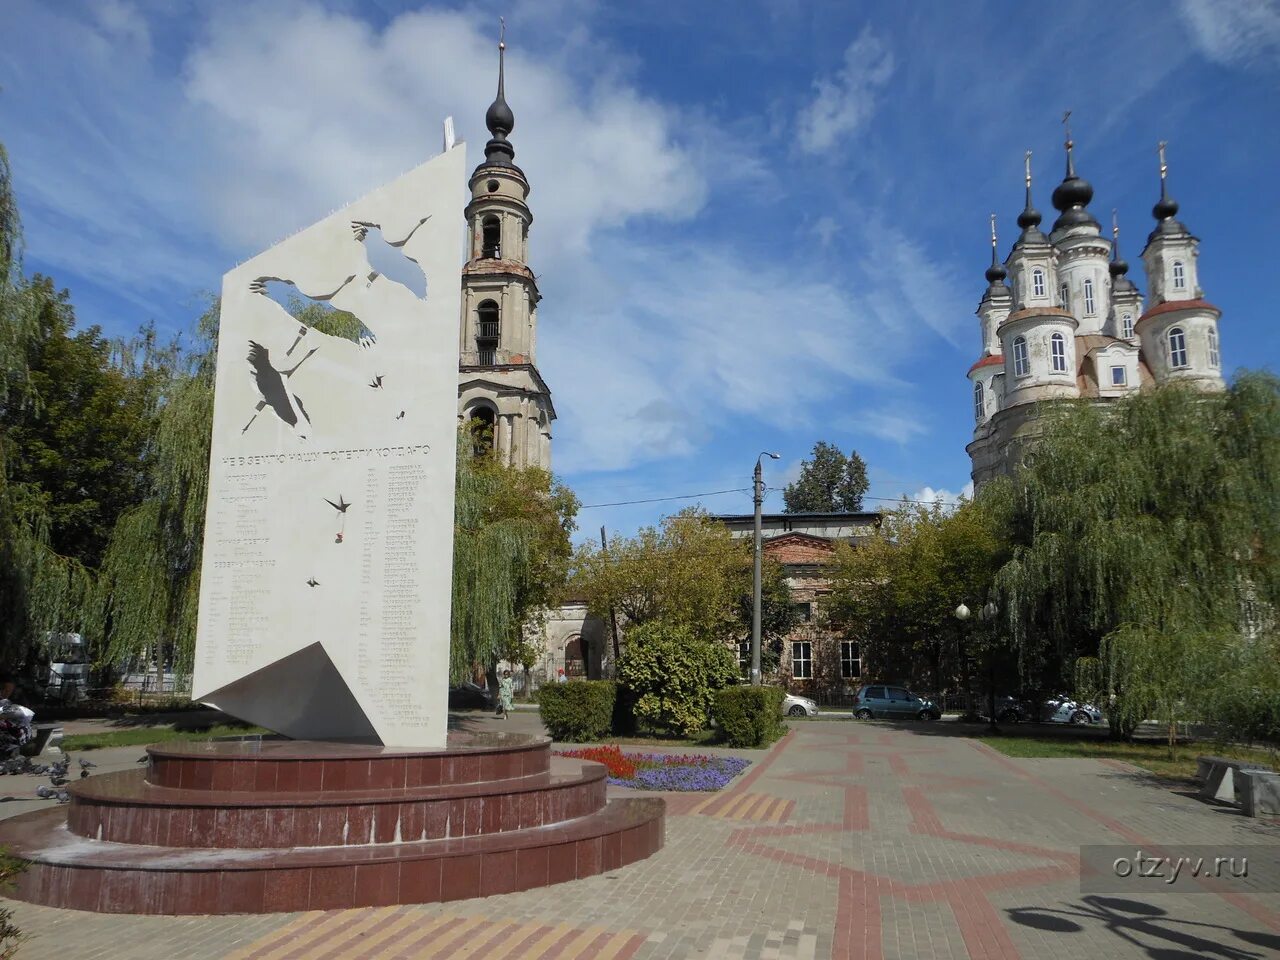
847, 840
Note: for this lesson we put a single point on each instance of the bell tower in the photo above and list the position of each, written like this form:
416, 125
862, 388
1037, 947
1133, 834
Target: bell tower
500, 390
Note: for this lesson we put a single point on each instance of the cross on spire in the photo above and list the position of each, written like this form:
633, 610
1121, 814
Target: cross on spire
1070, 144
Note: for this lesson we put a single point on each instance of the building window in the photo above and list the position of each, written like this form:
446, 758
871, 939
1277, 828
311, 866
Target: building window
1177, 348
1021, 364
802, 660
1037, 282
1118, 377
1064, 294
850, 660
803, 611
1179, 275
1058, 350
1215, 360
979, 407
491, 238
1126, 326
1088, 297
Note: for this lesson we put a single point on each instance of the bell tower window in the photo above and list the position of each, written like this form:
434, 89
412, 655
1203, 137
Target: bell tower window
1179, 275
1126, 326
1088, 297
1058, 350
1177, 348
488, 328
1064, 295
1037, 282
979, 408
481, 426
1215, 359
491, 238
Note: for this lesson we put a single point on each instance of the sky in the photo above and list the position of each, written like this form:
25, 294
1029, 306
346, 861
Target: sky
757, 225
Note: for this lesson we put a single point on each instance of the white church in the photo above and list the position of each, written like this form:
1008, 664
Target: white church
1061, 319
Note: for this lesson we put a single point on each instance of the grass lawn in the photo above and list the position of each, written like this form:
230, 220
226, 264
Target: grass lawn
139, 736
1148, 754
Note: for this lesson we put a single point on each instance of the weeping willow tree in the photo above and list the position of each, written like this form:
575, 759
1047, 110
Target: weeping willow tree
40, 591
510, 556
1147, 532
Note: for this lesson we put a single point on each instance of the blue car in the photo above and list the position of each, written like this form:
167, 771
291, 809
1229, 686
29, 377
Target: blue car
885, 702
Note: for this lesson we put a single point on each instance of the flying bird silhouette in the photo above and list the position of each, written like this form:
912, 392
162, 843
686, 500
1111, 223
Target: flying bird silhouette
340, 506
401, 417
274, 390
313, 582
376, 382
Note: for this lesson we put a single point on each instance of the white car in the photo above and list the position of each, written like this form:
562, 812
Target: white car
793, 706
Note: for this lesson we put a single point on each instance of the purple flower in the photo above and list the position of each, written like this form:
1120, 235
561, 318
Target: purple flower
658, 771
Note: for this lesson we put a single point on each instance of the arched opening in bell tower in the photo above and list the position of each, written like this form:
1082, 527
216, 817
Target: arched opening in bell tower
481, 425
488, 330
491, 238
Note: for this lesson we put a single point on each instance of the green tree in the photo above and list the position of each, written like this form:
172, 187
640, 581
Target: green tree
1155, 516
778, 615
672, 672
896, 594
688, 570
829, 483
41, 590
511, 551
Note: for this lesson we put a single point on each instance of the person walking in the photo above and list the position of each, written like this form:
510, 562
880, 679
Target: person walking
506, 694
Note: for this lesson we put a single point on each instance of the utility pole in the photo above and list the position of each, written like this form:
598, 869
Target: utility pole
613, 615
758, 496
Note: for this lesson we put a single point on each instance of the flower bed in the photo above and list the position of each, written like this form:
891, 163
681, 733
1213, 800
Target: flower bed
662, 771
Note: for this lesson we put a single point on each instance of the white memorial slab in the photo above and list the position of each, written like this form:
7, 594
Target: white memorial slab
328, 552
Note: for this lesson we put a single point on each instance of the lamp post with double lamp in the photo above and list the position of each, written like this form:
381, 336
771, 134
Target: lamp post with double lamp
757, 495
986, 613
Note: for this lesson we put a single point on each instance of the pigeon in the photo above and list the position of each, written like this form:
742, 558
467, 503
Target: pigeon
58, 781
83, 774
143, 759
86, 764
49, 793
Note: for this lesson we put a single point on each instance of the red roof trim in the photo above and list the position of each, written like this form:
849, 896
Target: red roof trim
988, 361
1171, 306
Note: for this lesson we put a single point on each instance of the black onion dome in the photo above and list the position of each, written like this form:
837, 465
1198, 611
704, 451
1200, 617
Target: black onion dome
1166, 208
996, 273
1072, 196
500, 120
1029, 217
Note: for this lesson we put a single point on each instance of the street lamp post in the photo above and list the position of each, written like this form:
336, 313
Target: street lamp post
758, 496
987, 612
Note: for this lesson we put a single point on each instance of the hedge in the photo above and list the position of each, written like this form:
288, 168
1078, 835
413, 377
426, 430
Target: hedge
578, 711
749, 716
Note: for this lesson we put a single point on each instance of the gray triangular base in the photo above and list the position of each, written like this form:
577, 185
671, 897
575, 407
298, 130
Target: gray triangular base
301, 696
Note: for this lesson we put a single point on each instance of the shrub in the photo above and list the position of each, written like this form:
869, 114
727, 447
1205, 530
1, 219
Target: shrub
673, 673
749, 716
578, 711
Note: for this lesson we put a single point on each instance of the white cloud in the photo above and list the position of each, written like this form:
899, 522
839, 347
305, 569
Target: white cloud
890, 423
1234, 32
929, 495
845, 101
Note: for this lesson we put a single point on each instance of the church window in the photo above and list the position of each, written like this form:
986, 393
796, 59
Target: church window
1058, 350
1021, 362
1037, 282
1118, 377
1126, 326
1088, 297
1215, 360
1064, 295
1177, 348
1179, 275
979, 406
802, 659
491, 238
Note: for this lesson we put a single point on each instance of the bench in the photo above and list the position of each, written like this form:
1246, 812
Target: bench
1259, 793
1218, 776
41, 734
